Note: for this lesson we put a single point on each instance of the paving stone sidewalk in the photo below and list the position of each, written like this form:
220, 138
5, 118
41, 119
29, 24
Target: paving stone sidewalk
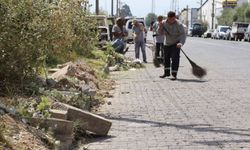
149, 113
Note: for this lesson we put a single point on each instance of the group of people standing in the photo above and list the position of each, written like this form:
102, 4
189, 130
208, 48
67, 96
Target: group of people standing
170, 37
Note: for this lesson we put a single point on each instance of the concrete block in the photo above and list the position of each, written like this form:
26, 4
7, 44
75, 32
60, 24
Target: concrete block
58, 126
59, 114
65, 142
89, 121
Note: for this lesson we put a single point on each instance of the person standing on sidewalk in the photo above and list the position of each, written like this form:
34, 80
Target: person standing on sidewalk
175, 39
159, 40
139, 35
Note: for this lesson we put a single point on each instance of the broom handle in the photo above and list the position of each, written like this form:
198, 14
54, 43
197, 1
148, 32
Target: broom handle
185, 54
180, 48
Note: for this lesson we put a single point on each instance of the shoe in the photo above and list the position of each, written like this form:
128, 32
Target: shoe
173, 78
164, 76
145, 61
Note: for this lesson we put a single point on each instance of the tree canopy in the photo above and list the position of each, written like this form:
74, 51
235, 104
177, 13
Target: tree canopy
125, 11
150, 17
226, 17
239, 14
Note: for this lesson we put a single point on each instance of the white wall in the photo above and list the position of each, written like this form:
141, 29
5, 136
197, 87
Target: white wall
207, 12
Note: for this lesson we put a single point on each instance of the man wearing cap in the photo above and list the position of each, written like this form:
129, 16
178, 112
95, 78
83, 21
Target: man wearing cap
175, 39
139, 35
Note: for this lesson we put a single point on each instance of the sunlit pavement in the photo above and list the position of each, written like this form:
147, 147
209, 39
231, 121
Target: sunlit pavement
149, 113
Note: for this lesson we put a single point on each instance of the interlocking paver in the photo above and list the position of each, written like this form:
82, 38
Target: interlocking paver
149, 113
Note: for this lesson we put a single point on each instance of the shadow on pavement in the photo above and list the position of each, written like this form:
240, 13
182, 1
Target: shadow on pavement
194, 127
97, 138
192, 80
222, 142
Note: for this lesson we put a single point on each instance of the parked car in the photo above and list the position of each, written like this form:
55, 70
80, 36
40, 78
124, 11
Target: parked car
103, 27
221, 31
227, 34
208, 33
129, 26
247, 34
238, 30
197, 30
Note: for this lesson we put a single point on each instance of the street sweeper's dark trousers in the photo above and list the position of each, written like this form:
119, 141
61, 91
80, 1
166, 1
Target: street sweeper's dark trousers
171, 60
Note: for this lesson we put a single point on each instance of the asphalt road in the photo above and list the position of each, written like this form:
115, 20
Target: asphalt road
149, 113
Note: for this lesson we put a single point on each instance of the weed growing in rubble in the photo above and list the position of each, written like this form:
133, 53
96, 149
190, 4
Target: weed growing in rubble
44, 106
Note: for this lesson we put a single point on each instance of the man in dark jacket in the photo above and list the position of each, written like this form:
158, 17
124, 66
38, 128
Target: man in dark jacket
175, 39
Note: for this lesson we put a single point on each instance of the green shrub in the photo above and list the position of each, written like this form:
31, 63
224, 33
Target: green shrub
34, 34
44, 106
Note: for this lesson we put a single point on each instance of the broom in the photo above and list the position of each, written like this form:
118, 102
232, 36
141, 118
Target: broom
197, 71
156, 62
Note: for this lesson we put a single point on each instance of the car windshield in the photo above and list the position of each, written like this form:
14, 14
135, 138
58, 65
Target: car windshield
224, 29
197, 26
242, 25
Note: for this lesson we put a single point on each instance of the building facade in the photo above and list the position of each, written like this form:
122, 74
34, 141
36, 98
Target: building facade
189, 16
209, 11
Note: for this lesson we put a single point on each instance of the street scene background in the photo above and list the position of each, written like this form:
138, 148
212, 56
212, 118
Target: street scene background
190, 114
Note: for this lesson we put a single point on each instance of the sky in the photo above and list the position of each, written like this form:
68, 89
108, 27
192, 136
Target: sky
140, 8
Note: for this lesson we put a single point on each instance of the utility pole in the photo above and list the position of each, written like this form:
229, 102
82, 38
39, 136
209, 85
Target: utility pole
97, 7
201, 11
213, 14
112, 7
187, 17
117, 8
172, 5
153, 6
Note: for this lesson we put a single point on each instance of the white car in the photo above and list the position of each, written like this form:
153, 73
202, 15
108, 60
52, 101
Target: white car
222, 31
103, 27
130, 37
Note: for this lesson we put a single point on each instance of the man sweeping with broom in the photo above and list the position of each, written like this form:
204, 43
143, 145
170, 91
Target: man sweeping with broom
175, 39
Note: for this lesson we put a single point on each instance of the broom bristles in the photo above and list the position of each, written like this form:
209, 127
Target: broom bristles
197, 70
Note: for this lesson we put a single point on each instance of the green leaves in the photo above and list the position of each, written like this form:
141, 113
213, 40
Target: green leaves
35, 32
239, 14
44, 106
150, 17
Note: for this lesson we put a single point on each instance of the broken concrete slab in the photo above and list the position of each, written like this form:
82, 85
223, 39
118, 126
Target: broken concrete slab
62, 129
53, 70
58, 126
89, 121
59, 114
65, 142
